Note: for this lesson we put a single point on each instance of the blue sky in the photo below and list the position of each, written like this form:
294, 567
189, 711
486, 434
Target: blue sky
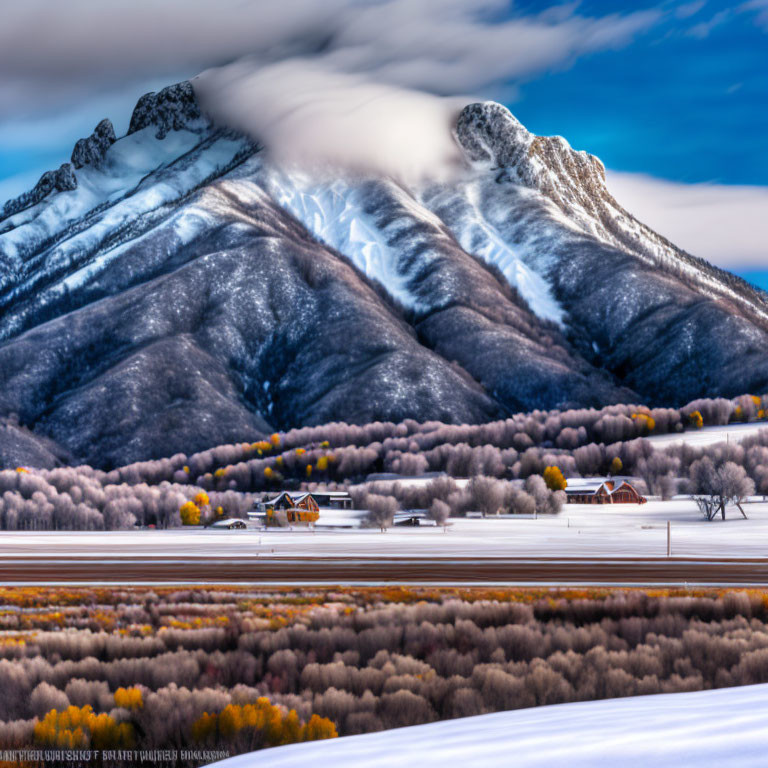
680, 100
683, 102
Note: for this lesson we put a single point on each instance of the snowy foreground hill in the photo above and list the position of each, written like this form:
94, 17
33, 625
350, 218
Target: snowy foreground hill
722, 728
174, 289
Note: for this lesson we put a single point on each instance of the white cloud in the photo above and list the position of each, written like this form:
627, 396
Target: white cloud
727, 225
317, 119
443, 46
367, 99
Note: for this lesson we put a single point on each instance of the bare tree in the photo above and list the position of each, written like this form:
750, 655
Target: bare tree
487, 494
715, 488
439, 512
381, 510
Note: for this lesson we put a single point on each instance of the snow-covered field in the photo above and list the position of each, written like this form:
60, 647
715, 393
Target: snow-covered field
579, 530
724, 728
710, 435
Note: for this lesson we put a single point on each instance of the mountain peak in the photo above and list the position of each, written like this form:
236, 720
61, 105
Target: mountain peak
491, 134
91, 151
59, 180
174, 108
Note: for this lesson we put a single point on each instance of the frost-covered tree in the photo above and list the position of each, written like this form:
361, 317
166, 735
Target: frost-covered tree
715, 488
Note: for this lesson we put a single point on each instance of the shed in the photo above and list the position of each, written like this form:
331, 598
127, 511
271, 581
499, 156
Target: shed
229, 523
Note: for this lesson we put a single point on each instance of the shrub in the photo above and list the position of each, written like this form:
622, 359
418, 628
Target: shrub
261, 724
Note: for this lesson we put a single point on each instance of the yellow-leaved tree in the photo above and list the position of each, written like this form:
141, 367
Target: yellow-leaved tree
262, 724
81, 728
129, 698
554, 479
190, 513
646, 421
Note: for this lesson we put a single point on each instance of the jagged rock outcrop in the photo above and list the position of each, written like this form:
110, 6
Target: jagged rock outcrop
60, 180
490, 133
171, 109
575, 182
91, 151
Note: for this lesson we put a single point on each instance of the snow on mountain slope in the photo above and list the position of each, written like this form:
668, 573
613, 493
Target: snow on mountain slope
76, 233
724, 727
668, 324
478, 235
575, 183
332, 211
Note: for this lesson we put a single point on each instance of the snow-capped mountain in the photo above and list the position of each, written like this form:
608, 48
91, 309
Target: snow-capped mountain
173, 289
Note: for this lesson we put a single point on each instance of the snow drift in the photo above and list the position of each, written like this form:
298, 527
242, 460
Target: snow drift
701, 729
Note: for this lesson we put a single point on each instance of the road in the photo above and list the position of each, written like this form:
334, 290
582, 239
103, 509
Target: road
360, 570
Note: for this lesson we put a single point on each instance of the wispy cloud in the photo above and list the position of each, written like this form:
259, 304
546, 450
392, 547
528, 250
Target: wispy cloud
687, 10
705, 28
443, 46
760, 7
727, 225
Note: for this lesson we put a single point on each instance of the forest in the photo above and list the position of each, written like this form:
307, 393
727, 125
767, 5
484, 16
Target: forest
241, 668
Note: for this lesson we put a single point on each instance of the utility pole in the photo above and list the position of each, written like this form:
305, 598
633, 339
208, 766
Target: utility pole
669, 538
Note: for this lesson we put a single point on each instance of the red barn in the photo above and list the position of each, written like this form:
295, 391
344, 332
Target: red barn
604, 492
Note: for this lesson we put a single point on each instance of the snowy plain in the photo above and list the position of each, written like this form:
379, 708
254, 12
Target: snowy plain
709, 435
580, 530
724, 727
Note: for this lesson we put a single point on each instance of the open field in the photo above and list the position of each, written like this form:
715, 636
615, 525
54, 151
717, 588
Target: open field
578, 531
709, 435
704, 728
585, 544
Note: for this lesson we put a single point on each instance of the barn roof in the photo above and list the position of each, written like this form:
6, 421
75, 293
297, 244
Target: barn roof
295, 497
593, 487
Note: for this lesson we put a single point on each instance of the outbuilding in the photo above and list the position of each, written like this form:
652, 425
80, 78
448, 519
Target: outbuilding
229, 523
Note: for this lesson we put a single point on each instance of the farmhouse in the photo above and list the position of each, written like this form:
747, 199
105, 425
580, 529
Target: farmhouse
603, 492
299, 507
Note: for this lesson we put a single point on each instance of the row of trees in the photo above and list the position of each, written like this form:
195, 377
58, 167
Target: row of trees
400, 448
443, 498
85, 499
